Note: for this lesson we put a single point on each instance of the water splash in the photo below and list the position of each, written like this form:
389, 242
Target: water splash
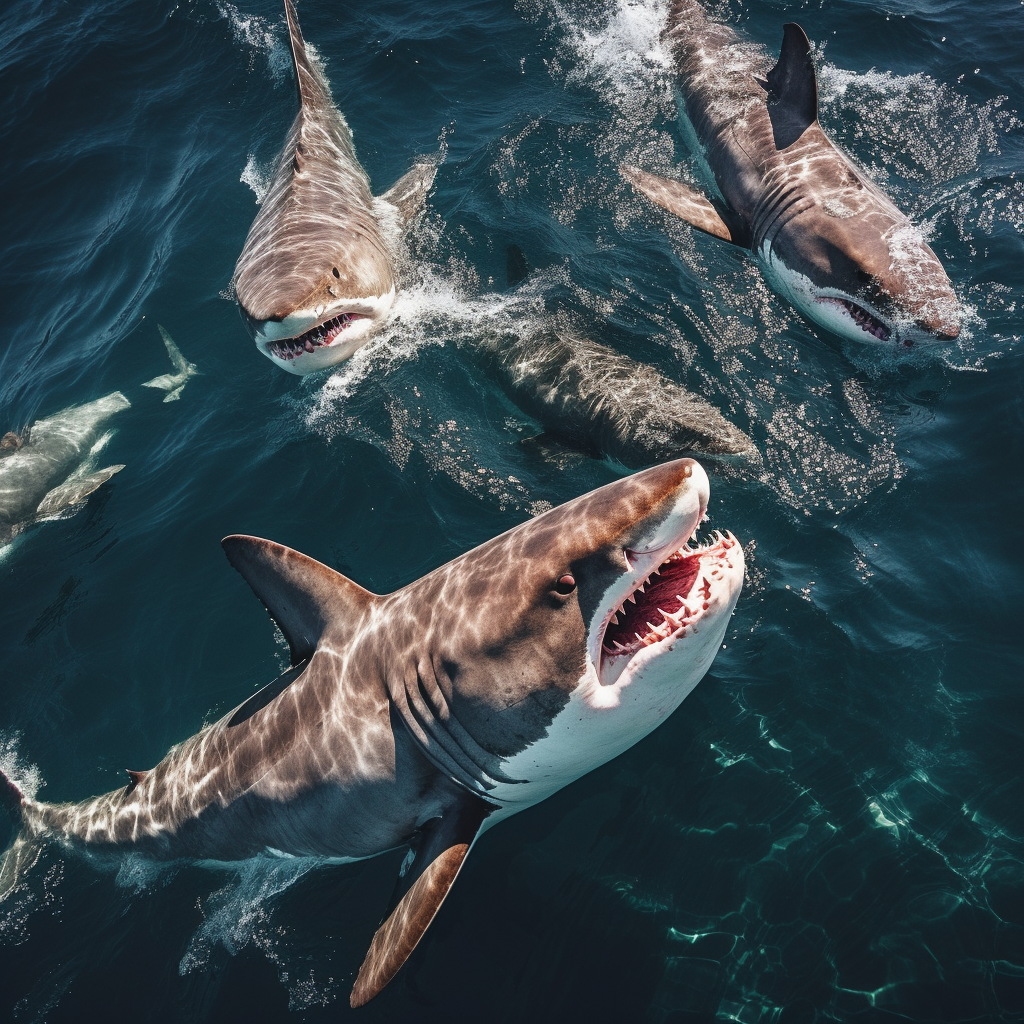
260, 36
241, 914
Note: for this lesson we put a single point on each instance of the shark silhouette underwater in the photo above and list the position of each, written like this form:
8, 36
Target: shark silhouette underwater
48, 468
825, 236
421, 718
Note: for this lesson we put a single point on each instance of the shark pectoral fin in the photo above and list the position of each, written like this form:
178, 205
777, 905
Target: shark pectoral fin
421, 889
74, 491
685, 203
408, 194
301, 594
792, 82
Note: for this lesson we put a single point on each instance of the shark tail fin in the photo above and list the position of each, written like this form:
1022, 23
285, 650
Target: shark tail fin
792, 81
301, 594
409, 193
687, 204
24, 851
435, 859
173, 383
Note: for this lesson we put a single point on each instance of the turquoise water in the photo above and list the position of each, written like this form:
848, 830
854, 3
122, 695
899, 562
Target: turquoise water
830, 828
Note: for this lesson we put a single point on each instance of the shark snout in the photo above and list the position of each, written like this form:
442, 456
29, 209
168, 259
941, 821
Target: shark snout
678, 514
943, 323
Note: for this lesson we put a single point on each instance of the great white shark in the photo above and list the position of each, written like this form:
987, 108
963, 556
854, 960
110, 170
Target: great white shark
825, 235
316, 275
423, 717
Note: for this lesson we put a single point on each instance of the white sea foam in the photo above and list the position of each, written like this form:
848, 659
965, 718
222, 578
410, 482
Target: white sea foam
240, 914
24, 775
258, 177
260, 36
911, 127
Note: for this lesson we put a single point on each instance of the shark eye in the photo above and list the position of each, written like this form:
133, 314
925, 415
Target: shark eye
334, 271
565, 584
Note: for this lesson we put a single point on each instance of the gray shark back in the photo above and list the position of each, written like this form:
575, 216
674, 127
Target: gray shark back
598, 400
316, 237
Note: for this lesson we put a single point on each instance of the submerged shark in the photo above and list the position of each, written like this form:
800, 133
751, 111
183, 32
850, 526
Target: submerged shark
48, 468
826, 237
420, 718
600, 401
316, 274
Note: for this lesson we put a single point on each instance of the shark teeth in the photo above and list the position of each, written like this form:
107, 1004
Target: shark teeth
656, 611
317, 337
866, 321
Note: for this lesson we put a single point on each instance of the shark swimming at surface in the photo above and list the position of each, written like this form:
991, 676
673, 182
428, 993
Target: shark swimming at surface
825, 235
420, 718
316, 275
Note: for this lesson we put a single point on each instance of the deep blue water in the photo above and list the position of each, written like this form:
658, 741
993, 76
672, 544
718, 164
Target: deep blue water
831, 826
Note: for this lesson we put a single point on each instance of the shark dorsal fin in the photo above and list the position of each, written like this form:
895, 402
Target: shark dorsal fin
792, 81
301, 594
427, 875
314, 93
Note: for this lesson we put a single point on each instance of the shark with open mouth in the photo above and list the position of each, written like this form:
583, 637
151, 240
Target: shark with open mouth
421, 718
826, 236
316, 275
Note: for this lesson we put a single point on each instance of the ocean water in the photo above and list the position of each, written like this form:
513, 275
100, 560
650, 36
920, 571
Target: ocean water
831, 828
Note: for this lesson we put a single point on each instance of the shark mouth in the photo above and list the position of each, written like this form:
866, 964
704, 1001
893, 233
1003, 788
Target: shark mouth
320, 336
866, 321
671, 600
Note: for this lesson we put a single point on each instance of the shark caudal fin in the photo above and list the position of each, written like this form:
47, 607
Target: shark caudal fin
173, 383
436, 857
301, 594
24, 851
688, 205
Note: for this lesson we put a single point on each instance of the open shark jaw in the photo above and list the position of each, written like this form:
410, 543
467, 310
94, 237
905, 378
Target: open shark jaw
668, 603
314, 338
861, 318
323, 335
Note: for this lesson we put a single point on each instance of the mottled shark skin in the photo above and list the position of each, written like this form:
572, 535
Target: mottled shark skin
45, 469
316, 274
594, 399
422, 717
826, 237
